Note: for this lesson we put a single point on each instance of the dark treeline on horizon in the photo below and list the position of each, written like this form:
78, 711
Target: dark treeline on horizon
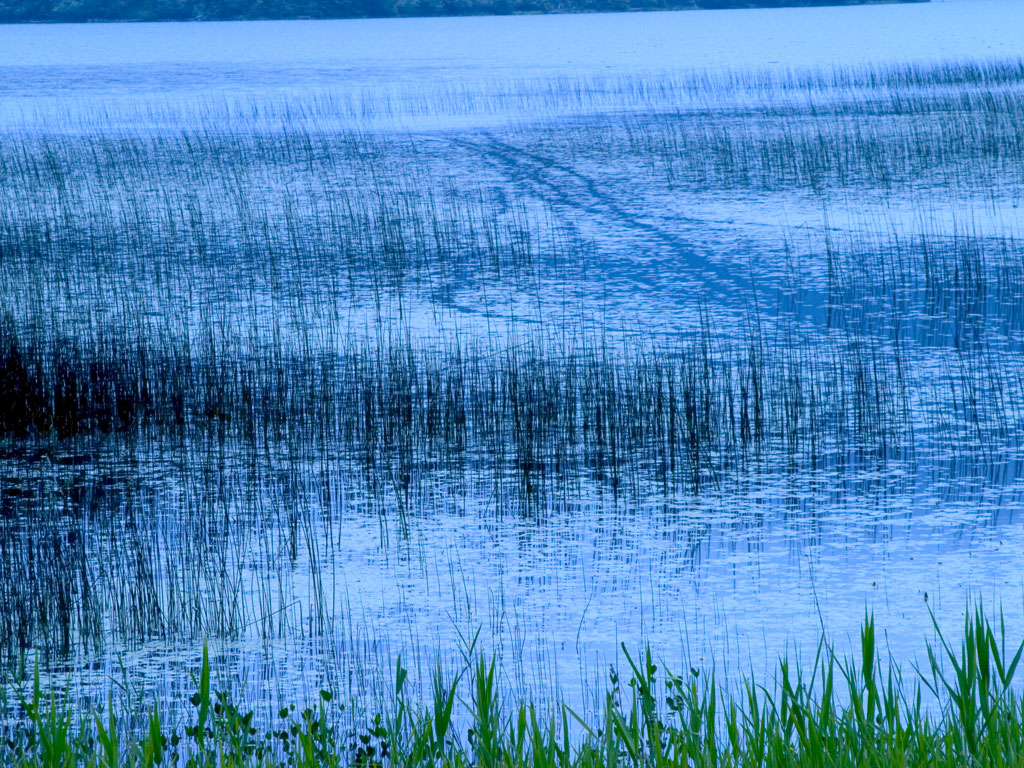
221, 10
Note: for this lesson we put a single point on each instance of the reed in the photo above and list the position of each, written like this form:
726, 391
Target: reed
228, 327
962, 708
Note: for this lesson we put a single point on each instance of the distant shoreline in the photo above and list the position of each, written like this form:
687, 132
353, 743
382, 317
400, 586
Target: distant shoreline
105, 11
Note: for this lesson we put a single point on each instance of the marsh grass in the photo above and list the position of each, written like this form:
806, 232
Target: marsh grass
961, 708
212, 329
682, 412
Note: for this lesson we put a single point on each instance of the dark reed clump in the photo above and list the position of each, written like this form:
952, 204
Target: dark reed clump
679, 412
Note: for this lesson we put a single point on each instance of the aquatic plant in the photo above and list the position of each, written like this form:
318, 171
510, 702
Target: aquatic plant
962, 708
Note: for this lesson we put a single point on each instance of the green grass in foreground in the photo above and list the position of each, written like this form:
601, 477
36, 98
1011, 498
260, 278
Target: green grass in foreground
844, 712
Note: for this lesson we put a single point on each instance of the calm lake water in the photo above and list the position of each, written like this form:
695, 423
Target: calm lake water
579, 140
